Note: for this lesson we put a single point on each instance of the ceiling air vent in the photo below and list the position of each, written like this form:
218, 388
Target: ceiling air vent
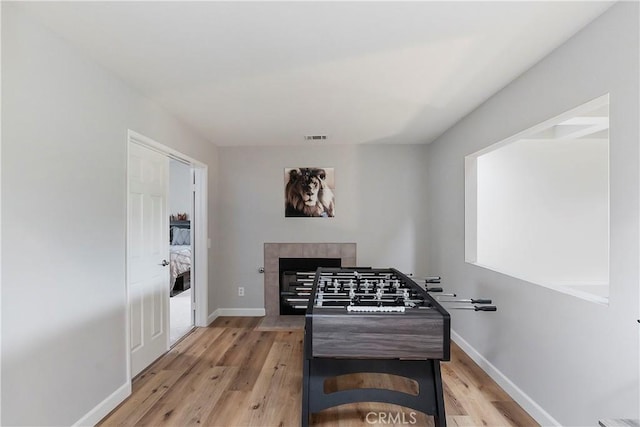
315, 137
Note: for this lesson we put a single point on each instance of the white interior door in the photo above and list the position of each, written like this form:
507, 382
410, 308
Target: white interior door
147, 254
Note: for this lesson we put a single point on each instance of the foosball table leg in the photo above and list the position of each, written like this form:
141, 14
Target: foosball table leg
440, 419
305, 393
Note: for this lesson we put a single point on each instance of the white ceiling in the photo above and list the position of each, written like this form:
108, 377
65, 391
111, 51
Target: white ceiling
268, 73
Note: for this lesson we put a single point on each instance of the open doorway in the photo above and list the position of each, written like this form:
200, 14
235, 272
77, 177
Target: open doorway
148, 229
181, 206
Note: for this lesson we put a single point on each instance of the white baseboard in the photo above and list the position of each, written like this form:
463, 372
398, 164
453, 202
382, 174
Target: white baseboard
527, 403
239, 312
213, 316
109, 404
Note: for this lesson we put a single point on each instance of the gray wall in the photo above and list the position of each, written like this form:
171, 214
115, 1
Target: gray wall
380, 205
64, 138
180, 194
578, 360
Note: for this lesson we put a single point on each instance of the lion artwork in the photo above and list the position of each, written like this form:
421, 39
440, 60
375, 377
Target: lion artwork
307, 194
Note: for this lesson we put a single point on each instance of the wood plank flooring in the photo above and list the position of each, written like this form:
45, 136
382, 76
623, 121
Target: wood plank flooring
235, 374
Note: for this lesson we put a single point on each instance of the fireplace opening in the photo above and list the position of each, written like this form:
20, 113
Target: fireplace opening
295, 274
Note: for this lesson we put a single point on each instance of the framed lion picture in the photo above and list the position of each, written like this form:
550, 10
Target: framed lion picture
309, 192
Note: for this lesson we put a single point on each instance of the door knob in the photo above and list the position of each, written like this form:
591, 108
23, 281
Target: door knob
164, 263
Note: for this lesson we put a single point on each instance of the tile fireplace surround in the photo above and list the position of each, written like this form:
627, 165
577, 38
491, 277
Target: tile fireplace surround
274, 251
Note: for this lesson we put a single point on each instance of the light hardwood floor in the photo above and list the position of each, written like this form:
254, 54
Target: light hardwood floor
236, 374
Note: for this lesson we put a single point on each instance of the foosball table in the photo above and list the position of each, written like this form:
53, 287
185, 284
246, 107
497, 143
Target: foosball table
365, 320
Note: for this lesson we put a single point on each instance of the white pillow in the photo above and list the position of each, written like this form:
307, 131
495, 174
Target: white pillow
181, 236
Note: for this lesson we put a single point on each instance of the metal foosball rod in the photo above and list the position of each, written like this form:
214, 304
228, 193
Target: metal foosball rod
427, 279
431, 280
474, 307
481, 307
469, 301
438, 290
477, 308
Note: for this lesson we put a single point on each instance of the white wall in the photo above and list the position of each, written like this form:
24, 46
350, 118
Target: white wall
577, 360
64, 139
380, 205
543, 211
180, 195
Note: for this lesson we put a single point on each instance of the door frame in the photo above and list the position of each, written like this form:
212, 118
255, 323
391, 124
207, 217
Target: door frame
200, 240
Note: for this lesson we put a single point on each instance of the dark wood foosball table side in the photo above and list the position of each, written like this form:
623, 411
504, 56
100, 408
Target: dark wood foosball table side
426, 373
409, 345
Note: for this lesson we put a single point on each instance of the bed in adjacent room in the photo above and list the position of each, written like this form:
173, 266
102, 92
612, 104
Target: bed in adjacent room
180, 253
